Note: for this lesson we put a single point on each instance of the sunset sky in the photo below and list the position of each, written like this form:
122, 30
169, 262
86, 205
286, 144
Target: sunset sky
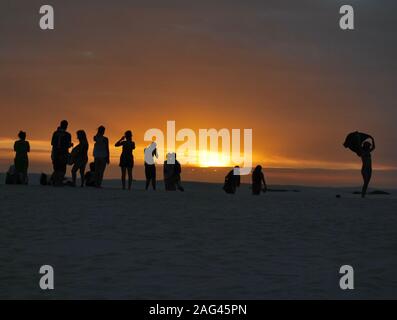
282, 68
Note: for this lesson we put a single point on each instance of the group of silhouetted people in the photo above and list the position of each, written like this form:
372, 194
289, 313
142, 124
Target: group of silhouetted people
78, 158
232, 181
61, 143
61, 156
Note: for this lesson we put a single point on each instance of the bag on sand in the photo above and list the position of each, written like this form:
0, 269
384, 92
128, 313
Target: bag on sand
12, 176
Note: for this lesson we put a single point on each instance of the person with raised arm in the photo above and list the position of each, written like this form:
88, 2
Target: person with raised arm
366, 158
126, 158
358, 143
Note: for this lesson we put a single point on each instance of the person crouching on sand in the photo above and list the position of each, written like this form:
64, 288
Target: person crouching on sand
172, 173
232, 181
21, 161
168, 172
257, 179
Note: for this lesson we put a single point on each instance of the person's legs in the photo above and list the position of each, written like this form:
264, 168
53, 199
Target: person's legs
178, 184
19, 177
63, 167
123, 174
150, 173
96, 173
169, 184
25, 176
256, 192
103, 169
147, 176
154, 177
100, 165
59, 164
82, 174
256, 189
129, 178
55, 168
366, 173
74, 173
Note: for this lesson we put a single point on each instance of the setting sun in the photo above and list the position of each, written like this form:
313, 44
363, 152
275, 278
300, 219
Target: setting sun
213, 159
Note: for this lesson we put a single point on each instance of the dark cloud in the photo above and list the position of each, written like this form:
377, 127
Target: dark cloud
284, 63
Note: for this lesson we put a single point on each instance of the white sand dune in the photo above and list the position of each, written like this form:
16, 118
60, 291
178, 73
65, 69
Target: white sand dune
200, 244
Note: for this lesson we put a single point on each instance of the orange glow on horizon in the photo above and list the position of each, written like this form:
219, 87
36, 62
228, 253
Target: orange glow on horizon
41, 151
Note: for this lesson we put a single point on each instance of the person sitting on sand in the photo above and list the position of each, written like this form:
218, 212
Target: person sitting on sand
172, 173
101, 155
168, 171
21, 161
89, 177
257, 179
232, 181
126, 158
366, 170
150, 167
79, 157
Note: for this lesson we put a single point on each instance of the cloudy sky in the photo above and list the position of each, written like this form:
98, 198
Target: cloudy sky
282, 68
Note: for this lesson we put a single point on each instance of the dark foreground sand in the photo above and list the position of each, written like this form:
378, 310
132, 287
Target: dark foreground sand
200, 244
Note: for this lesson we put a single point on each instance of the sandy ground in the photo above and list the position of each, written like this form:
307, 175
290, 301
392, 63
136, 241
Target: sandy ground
201, 244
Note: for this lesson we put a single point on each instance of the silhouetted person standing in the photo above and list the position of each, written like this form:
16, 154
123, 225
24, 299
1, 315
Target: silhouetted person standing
357, 142
61, 142
150, 167
21, 161
366, 170
258, 178
232, 182
79, 157
126, 158
101, 155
